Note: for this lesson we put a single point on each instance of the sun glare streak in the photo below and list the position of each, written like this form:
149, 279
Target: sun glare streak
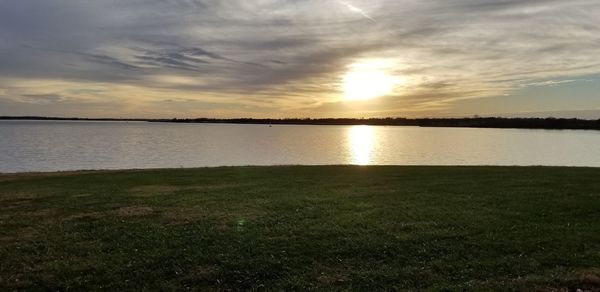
361, 140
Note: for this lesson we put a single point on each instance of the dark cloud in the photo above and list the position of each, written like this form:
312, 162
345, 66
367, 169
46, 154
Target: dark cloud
110, 61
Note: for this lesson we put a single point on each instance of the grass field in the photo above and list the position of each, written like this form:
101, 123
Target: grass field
333, 227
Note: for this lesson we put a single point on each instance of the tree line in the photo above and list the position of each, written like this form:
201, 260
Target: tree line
492, 122
474, 122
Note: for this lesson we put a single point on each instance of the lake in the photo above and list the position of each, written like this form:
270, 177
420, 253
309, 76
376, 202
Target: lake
72, 145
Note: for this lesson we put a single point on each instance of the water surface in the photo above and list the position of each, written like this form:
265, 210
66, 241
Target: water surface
69, 145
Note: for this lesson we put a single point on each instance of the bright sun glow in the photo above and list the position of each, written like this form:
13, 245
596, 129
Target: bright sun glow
367, 80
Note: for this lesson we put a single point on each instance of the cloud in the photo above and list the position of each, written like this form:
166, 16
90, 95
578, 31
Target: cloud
356, 10
42, 98
110, 61
557, 82
281, 55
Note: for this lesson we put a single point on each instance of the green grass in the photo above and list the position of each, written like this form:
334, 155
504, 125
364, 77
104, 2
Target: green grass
297, 228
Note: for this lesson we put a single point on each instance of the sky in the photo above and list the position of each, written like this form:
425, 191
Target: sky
300, 58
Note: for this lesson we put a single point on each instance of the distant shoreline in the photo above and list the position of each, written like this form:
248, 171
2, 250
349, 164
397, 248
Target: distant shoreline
475, 122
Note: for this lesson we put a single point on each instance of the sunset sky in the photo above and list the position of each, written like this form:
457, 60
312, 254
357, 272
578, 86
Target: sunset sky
300, 58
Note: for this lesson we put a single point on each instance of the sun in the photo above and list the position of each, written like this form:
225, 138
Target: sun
368, 80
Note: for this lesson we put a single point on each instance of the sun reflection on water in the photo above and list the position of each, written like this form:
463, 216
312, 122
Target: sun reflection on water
361, 140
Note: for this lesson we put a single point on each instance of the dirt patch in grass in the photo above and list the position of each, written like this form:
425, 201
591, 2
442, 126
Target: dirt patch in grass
201, 275
129, 211
14, 205
332, 279
157, 190
83, 195
28, 175
7, 238
205, 272
86, 215
17, 203
39, 213
154, 190
417, 225
332, 275
5, 178
581, 280
551, 289
24, 233
224, 218
590, 277
133, 211
18, 196
184, 215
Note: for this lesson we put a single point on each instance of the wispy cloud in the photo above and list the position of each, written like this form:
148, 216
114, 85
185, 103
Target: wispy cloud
356, 10
557, 82
42, 98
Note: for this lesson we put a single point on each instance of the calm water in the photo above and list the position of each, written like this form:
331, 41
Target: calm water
50, 145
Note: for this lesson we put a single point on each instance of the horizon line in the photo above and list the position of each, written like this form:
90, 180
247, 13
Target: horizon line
290, 118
